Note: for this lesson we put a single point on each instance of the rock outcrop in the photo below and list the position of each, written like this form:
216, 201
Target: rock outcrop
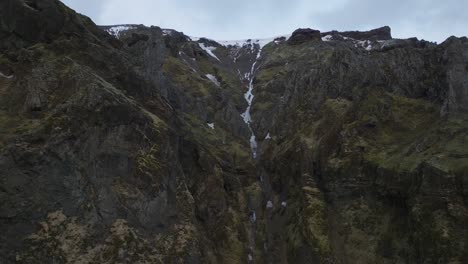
304, 34
383, 33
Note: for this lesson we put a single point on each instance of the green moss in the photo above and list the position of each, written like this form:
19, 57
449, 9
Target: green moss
4, 60
12, 126
183, 75
217, 142
148, 162
309, 228
263, 106
314, 214
232, 248
269, 73
339, 107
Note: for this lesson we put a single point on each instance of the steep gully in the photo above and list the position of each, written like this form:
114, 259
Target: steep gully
247, 117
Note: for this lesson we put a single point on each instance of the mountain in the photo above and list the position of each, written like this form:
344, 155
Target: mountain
135, 144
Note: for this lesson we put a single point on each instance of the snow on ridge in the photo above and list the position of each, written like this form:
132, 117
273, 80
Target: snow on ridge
243, 42
208, 50
366, 44
117, 30
327, 38
167, 31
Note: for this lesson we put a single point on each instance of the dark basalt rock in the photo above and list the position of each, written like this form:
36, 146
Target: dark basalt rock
27, 22
136, 38
304, 34
383, 33
280, 39
209, 42
406, 43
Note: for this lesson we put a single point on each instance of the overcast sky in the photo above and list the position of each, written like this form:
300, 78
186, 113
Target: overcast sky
433, 20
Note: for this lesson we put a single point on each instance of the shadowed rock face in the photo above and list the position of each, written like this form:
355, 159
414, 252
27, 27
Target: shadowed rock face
129, 147
304, 34
383, 33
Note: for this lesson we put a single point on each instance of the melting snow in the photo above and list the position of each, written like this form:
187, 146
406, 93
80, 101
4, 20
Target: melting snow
249, 98
167, 32
365, 44
213, 79
269, 204
211, 125
253, 217
209, 50
253, 145
6, 76
117, 30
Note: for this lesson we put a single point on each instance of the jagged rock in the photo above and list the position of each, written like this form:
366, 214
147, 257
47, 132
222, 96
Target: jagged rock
136, 38
455, 60
304, 34
41, 21
383, 33
280, 39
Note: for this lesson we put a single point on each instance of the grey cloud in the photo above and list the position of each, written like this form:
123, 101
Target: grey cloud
428, 19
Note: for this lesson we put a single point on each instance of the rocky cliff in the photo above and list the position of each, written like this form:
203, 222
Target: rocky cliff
135, 144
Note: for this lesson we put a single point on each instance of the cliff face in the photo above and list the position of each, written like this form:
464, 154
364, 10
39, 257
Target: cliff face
134, 144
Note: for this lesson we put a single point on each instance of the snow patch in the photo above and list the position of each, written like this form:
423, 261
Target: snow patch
327, 38
167, 32
209, 50
6, 76
366, 44
269, 204
213, 79
210, 125
253, 217
268, 136
117, 30
283, 204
